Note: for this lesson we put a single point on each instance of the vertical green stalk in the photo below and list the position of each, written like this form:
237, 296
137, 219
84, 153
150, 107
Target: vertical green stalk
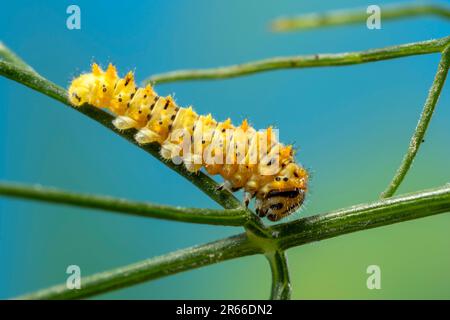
281, 284
427, 113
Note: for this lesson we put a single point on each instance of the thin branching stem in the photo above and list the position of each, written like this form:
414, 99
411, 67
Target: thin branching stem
281, 283
35, 81
363, 216
358, 16
228, 217
260, 240
306, 61
178, 261
419, 133
306, 230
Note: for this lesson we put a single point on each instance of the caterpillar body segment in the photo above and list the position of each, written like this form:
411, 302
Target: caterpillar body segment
246, 158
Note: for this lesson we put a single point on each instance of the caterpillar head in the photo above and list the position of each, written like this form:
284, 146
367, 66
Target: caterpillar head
80, 90
95, 88
283, 194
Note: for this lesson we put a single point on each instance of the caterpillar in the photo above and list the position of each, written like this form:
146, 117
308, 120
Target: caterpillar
254, 161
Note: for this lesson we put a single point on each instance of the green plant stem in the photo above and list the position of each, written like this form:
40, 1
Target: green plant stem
281, 284
345, 17
419, 133
363, 216
306, 230
229, 217
178, 261
306, 61
9, 56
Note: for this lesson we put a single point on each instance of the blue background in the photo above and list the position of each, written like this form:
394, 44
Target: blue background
351, 124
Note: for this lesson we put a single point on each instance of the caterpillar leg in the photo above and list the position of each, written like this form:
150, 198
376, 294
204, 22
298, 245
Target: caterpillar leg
226, 185
193, 162
247, 197
124, 122
170, 151
146, 135
260, 211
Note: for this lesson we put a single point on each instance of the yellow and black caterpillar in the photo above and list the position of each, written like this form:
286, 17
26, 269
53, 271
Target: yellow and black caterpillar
245, 158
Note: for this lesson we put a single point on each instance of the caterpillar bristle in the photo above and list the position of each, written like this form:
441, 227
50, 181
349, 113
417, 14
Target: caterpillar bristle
253, 160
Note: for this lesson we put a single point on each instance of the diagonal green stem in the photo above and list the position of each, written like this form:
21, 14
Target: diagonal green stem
9, 56
229, 217
178, 261
281, 283
345, 17
419, 133
306, 230
307, 61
